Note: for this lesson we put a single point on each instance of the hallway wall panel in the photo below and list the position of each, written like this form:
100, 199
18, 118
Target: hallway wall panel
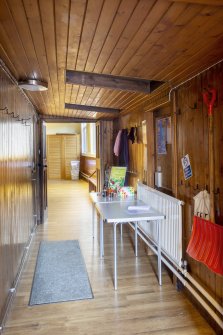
16, 185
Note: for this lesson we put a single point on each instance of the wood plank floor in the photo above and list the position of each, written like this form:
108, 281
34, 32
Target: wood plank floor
139, 306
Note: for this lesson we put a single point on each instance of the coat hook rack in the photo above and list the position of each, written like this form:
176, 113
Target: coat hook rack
187, 184
196, 188
4, 109
194, 106
217, 191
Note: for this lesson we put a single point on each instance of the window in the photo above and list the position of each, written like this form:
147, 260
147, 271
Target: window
84, 138
88, 139
93, 138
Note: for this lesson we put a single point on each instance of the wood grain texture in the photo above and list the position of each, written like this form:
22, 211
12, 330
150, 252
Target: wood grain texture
190, 136
193, 139
61, 150
140, 306
147, 39
17, 190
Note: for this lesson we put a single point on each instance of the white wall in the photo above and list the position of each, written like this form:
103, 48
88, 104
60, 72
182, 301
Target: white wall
63, 128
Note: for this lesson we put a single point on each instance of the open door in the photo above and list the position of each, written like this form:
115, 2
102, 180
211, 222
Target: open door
104, 152
43, 174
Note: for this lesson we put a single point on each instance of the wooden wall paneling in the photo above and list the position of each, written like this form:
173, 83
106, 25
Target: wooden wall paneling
150, 148
16, 185
174, 145
193, 120
61, 150
54, 156
87, 165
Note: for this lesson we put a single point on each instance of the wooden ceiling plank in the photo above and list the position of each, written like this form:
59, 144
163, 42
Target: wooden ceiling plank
48, 26
22, 26
75, 89
165, 25
35, 26
112, 97
11, 31
125, 11
20, 20
87, 93
199, 29
62, 17
91, 108
137, 17
105, 21
11, 54
186, 54
190, 13
154, 16
95, 92
103, 95
77, 13
80, 95
94, 8
7, 61
202, 2
184, 69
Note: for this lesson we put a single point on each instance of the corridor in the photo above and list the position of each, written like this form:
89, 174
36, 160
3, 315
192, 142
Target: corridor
139, 306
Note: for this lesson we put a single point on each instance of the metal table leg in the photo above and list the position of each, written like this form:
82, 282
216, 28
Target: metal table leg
115, 255
121, 230
136, 239
93, 216
101, 237
159, 253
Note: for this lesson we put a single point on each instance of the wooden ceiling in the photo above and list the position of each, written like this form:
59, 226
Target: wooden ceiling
164, 40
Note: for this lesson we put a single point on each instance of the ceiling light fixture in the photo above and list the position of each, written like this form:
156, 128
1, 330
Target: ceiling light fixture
33, 85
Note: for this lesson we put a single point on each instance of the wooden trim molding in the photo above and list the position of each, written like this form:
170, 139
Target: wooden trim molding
92, 108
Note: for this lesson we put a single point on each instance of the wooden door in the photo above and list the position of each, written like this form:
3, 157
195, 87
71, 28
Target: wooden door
70, 152
43, 174
61, 150
54, 155
104, 152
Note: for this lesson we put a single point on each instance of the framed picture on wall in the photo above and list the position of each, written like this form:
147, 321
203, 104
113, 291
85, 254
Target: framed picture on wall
161, 136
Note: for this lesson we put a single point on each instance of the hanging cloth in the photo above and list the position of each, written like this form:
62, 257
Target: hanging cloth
202, 205
206, 244
124, 149
117, 143
131, 135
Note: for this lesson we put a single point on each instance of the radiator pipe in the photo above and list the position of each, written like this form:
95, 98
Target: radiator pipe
187, 285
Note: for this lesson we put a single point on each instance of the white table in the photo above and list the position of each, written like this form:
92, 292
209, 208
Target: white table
98, 198
118, 213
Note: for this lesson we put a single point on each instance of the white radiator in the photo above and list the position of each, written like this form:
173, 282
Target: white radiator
171, 227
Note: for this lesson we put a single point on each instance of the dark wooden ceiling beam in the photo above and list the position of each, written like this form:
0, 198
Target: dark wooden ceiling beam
64, 119
92, 108
110, 81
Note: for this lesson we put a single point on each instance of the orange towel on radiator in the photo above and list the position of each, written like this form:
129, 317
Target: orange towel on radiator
206, 244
